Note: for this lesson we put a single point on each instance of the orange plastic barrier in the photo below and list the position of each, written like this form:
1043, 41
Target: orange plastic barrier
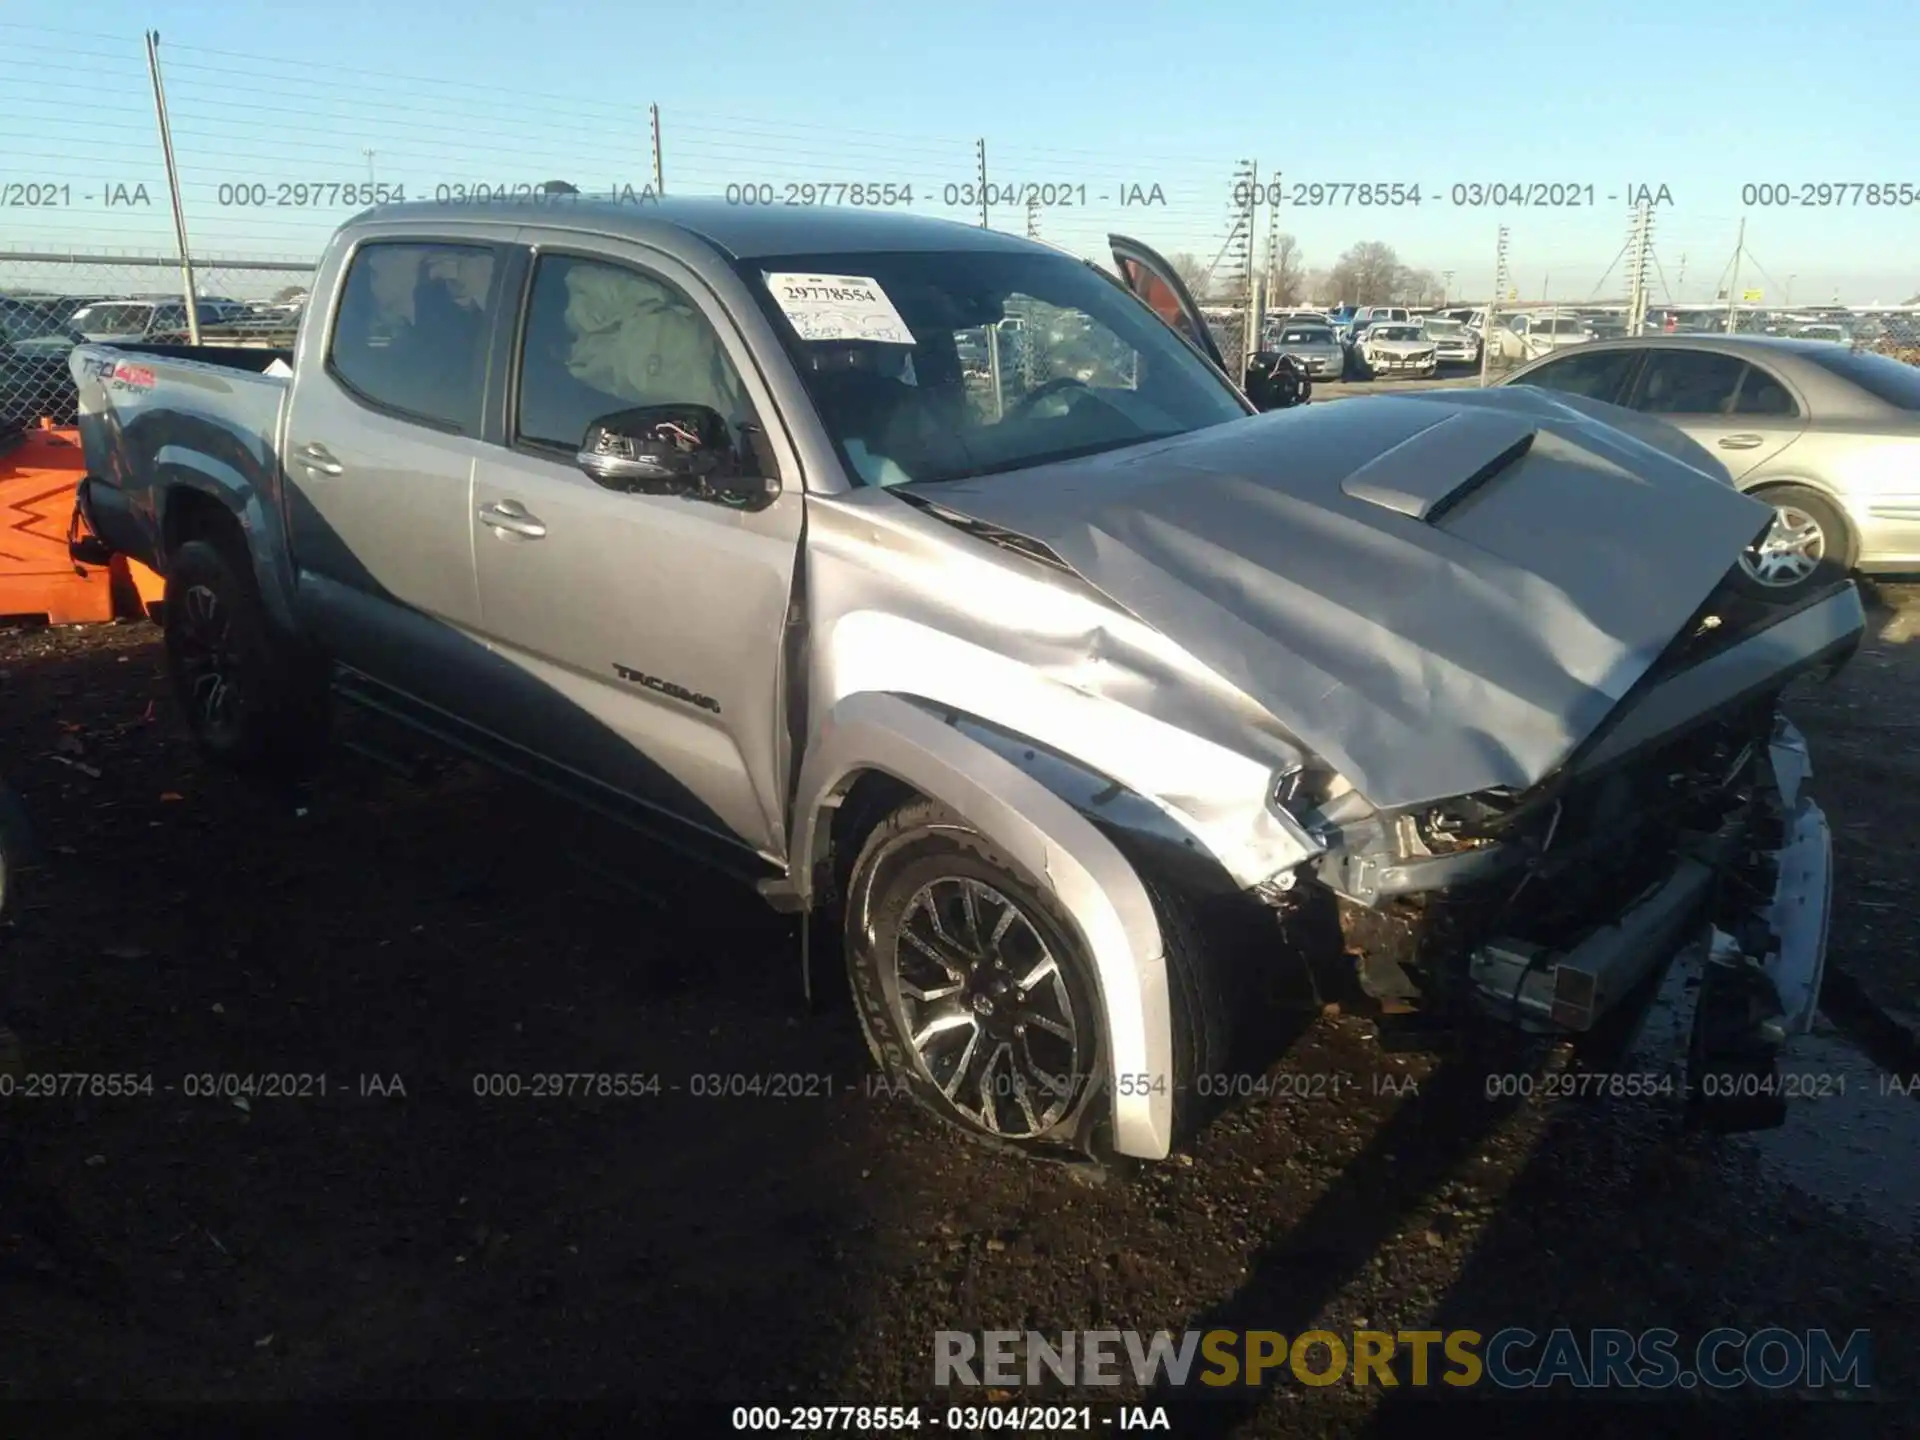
38, 477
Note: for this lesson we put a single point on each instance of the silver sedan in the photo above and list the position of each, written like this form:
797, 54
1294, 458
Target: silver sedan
1828, 435
1316, 347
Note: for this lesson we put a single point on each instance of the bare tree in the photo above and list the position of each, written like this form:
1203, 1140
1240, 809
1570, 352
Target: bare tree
1287, 275
1368, 274
1420, 287
1197, 277
1320, 288
288, 293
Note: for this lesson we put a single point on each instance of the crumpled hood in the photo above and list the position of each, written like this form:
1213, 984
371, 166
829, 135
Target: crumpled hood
1435, 594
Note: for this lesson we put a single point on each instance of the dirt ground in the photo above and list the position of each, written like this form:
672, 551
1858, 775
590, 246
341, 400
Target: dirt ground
401, 1235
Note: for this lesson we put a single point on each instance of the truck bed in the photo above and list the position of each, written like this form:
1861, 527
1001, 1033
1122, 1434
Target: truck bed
207, 409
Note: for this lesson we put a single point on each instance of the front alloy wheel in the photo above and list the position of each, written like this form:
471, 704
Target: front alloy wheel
992, 1022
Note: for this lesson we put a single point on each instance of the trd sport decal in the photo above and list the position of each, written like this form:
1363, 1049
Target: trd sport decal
667, 687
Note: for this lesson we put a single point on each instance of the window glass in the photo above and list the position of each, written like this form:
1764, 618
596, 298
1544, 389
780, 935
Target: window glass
412, 330
115, 317
1762, 394
1882, 377
1596, 374
602, 338
1689, 382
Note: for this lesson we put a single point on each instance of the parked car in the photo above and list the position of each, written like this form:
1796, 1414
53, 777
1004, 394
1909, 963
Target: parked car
1453, 342
684, 510
152, 322
1828, 436
1316, 347
35, 381
1368, 316
1531, 334
1832, 334
1386, 348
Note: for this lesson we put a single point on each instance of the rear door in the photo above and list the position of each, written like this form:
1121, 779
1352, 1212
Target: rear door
1745, 415
1156, 282
380, 443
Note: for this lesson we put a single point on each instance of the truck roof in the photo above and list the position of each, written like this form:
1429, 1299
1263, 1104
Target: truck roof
742, 232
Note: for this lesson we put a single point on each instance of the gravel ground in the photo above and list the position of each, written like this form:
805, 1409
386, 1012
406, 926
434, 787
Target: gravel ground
394, 936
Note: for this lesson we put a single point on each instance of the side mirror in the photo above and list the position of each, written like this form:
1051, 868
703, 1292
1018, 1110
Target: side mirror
685, 450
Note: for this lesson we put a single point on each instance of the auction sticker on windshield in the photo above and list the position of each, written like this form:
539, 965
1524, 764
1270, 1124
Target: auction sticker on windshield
839, 307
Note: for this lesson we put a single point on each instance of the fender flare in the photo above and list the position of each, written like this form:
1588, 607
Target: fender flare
1058, 848
202, 475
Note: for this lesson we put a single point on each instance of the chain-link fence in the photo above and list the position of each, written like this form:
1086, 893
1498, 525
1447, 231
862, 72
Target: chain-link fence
48, 302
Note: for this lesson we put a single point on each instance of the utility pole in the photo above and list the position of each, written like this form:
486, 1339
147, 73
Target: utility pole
1493, 305
659, 171
1446, 286
173, 188
980, 154
1246, 195
1640, 243
1787, 299
1733, 285
1273, 241
1033, 217
369, 155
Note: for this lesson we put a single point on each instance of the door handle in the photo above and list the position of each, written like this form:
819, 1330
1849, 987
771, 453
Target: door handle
314, 456
509, 517
1741, 442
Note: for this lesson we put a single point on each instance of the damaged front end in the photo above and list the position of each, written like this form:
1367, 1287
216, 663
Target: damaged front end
1682, 823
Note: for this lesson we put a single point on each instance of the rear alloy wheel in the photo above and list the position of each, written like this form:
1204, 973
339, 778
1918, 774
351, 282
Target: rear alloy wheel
1806, 546
249, 700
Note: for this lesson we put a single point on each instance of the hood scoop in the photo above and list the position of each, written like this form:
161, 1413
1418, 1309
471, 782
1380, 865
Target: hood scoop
1435, 469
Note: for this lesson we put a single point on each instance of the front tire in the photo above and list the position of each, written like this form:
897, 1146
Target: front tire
1809, 545
250, 703
978, 998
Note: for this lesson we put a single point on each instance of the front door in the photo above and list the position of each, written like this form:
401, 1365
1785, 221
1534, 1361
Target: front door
648, 630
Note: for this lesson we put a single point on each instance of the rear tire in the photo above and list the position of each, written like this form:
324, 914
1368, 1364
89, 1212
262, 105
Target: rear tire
1809, 547
1003, 999
252, 703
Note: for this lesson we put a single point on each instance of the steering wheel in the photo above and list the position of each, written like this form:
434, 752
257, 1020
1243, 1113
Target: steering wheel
1041, 392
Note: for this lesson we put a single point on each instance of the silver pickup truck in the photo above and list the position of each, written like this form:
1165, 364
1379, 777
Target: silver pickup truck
1026, 668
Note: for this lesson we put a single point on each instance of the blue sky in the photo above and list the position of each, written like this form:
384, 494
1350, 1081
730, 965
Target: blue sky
1699, 96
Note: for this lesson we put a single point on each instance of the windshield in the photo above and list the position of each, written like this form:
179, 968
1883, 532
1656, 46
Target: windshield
1562, 325
1395, 332
1086, 368
1445, 329
1307, 336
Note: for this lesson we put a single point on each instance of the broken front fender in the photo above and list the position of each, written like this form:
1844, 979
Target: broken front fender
1058, 850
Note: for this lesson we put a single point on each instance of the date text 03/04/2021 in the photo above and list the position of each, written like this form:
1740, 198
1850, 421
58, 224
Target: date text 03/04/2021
1465, 194
971, 1419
